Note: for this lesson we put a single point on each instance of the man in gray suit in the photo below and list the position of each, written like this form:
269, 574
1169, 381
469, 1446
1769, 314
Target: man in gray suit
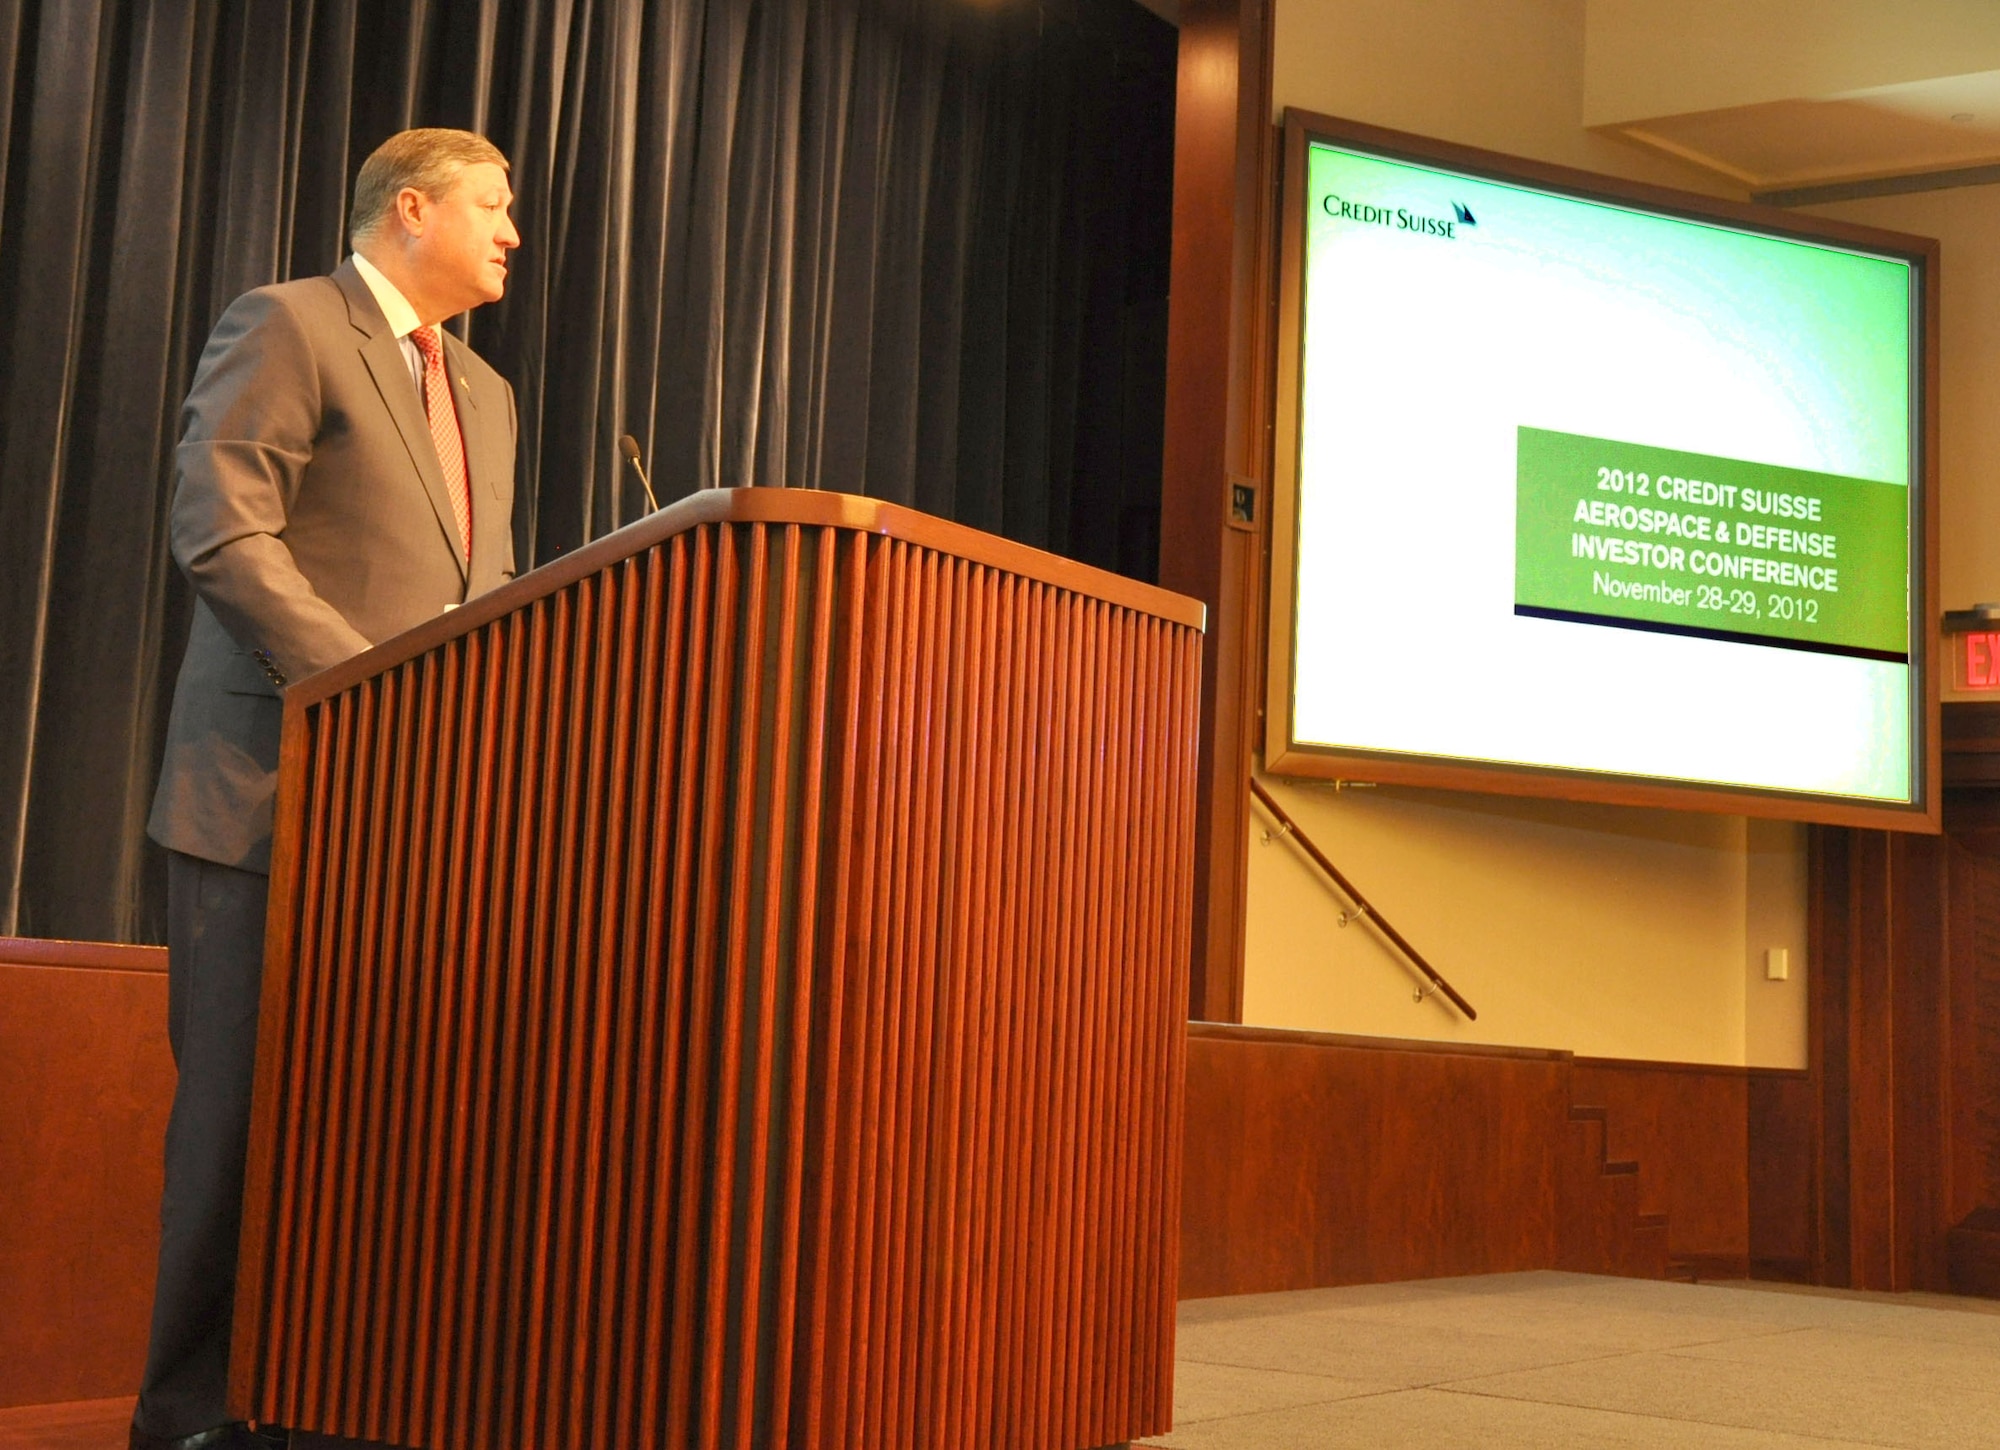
345, 471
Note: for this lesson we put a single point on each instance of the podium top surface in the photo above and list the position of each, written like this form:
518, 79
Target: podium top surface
811, 508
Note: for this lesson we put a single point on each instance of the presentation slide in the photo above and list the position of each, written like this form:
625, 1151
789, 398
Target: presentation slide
1587, 487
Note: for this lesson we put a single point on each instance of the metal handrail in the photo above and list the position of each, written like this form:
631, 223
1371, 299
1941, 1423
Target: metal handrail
1362, 906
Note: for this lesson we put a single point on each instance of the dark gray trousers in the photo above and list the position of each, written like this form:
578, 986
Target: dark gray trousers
215, 965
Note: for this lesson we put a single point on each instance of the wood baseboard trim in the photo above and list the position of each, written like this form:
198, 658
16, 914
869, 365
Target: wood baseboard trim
1972, 1251
1781, 1270
1715, 1266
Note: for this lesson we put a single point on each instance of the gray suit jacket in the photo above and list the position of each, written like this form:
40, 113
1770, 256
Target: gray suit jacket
311, 516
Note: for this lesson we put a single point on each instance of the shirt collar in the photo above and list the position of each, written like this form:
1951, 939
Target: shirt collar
395, 306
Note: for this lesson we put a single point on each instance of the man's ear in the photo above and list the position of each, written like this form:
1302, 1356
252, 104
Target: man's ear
410, 205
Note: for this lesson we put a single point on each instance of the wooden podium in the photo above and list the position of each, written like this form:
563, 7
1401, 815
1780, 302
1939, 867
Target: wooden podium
726, 988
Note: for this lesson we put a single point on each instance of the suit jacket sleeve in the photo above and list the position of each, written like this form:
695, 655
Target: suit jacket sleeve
248, 431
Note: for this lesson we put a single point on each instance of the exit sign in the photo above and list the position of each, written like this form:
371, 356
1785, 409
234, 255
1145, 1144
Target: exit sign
1979, 661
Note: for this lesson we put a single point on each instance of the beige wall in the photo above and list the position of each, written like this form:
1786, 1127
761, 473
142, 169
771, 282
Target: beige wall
1609, 932
1616, 933
1612, 932
1503, 74
1966, 222
1774, 914
1649, 58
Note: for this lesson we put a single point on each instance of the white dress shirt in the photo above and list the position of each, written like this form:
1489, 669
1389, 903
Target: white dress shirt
402, 317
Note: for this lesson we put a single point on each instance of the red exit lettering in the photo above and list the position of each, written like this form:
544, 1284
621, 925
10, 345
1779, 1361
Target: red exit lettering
1982, 662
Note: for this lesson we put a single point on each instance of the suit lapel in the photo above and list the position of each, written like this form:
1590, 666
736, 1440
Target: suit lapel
386, 364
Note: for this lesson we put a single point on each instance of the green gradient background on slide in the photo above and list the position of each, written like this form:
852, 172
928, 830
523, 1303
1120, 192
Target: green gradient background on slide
1867, 522
1857, 307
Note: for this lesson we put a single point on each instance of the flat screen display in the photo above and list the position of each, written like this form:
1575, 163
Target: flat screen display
1585, 486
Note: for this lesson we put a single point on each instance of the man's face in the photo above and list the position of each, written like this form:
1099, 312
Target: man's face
461, 252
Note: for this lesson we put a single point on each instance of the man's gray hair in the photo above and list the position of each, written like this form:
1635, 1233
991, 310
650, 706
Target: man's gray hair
428, 159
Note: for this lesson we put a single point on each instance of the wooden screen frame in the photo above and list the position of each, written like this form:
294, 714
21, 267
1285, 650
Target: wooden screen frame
1285, 756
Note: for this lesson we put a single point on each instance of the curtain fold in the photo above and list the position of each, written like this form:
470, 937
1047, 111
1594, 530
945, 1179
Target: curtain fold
909, 248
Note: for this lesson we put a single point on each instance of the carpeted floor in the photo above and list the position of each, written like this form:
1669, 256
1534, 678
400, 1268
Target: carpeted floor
1521, 1360
1550, 1359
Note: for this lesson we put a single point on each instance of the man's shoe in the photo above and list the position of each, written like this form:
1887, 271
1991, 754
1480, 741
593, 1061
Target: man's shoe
220, 1437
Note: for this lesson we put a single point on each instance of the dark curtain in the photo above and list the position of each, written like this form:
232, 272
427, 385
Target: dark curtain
909, 248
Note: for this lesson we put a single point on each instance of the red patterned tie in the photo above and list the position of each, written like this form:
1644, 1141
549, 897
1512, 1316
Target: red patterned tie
445, 437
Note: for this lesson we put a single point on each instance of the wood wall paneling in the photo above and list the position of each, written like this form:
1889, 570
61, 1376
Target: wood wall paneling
1905, 1031
1601, 1227
1688, 1129
1974, 1021
1830, 949
1972, 1209
85, 1085
1922, 1059
1973, 1254
1904, 970
1782, 1200
1970, 756
1321, 1163
1217, 432
1871, 1066
1971, 732
1315, 1160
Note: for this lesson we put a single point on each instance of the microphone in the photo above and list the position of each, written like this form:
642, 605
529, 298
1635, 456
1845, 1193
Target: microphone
629, 446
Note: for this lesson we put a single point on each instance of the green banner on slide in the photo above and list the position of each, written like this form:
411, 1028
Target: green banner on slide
1632, 535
